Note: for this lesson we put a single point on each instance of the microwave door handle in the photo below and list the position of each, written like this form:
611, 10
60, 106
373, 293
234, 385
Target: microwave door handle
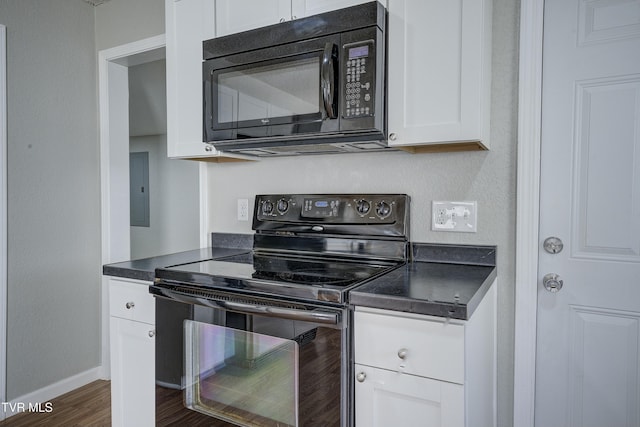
329, 86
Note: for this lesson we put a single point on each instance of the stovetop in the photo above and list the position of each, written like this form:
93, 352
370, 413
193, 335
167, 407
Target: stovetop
311, 247
305, 278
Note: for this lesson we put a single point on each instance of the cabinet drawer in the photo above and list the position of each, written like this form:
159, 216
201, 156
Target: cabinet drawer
131, 300
418, 345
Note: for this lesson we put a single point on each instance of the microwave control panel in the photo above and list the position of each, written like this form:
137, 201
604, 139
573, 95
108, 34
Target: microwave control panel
359, 82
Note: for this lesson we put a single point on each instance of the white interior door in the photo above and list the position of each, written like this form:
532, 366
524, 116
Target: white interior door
588, 336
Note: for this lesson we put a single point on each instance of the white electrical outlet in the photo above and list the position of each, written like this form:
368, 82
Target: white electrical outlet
243, 209
454, 216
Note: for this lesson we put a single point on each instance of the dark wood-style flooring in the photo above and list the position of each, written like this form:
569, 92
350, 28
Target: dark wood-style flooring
90, 406
86, 406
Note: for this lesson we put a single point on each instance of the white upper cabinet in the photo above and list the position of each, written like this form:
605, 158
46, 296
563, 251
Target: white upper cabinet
188, 23
185, 24
234, 16
301, 8
439, 79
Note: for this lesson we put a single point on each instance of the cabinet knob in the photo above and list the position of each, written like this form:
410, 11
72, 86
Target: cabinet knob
130, 305
208, 148
393, 136
282, 19
402, 353
152, 333
361, 376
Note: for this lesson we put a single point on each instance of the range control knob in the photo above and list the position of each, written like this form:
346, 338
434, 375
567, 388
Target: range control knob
282, 206
383, 209
363, 207
267, 207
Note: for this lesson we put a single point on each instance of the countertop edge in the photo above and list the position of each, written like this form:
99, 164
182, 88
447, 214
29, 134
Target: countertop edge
222, 245
361, 297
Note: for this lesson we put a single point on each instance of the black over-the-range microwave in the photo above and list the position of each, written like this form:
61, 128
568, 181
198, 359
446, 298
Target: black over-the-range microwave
308, 86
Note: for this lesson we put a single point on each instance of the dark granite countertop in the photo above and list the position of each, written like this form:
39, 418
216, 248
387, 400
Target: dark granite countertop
223, 245
442, 280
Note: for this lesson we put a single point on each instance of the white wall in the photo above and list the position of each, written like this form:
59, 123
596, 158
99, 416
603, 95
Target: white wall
54, 193
119, 22
488, 177
148, 99
174, 202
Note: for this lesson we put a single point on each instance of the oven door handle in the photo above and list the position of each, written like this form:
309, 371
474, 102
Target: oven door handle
315, 316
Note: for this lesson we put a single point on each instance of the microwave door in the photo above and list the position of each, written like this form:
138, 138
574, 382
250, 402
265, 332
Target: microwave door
270, 92
285, 91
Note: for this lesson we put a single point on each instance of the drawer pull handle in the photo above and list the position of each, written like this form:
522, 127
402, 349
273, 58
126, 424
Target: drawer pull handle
130, 305
361, 377
402, 353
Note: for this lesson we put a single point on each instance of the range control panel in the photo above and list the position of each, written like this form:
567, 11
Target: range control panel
338, 209
359, 79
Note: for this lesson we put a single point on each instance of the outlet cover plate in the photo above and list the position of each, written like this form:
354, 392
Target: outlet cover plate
461, 217
243, 209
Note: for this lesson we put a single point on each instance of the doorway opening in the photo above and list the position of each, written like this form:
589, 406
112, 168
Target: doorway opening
132, 113
171, 193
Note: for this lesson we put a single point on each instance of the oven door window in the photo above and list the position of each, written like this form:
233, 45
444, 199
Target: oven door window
269, 93
245, 378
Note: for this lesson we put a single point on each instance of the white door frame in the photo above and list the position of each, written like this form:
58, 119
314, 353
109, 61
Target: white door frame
112, 69
3, 217
115, 232
528, 210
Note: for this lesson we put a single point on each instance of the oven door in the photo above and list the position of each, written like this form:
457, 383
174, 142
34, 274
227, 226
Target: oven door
277, 91
258, 362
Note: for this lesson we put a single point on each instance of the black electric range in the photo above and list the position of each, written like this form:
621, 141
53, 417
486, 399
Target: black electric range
306, 247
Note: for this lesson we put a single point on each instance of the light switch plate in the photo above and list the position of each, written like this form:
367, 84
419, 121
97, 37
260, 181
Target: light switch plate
460, 217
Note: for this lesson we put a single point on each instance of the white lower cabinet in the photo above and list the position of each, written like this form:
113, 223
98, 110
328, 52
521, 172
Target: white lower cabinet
385, 398
132, 351
414, 370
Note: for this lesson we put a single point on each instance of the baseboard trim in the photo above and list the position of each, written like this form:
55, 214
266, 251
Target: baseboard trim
38, 398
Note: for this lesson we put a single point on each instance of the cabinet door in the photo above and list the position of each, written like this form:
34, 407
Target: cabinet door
386, 398
439, 71
187, 23
234, 16
302, 8
133, 401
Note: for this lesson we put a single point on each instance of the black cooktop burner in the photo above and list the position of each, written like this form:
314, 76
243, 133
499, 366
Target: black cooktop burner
292, 270
312, 272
